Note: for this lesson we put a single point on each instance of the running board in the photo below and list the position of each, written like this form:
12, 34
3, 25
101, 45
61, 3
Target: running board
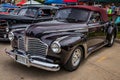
96, 47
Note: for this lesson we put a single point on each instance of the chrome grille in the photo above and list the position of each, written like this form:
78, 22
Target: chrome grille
21, 43
36, 47
33, 46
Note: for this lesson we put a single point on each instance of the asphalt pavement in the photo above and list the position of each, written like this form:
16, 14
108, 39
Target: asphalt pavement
103, 64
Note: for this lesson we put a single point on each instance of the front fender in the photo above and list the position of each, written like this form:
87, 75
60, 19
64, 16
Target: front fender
68, 44
70, 41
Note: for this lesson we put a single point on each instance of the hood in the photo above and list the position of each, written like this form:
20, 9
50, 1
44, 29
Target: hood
19, 26
54, 27
16, 19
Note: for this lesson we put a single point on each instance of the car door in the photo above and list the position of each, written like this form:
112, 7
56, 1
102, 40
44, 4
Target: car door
96, 34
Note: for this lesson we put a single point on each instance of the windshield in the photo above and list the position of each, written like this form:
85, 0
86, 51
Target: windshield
72, 15
28, 12
2, 9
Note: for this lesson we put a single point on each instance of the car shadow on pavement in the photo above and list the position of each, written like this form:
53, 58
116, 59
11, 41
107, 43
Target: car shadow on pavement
4, 42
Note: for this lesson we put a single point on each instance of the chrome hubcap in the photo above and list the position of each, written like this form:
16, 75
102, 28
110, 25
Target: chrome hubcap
76, 57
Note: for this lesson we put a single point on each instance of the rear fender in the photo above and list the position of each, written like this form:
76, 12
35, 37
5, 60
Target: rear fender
112, 29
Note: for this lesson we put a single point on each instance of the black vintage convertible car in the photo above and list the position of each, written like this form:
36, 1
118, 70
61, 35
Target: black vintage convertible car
23, 17
76, 32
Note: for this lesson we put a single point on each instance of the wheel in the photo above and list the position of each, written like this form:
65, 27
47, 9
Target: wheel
75, 59
111, 40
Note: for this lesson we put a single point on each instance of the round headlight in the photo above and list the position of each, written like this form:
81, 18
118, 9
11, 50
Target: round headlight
7, 29
56, 48
11, 36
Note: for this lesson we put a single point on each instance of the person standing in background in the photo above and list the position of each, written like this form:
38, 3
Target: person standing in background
109, 12
113, 7
115, 10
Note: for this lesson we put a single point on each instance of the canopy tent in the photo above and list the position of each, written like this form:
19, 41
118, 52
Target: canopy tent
75, 1
70, 0
107, 1
21, 3
31, 2
84, 0
114, 1
8, 5
64, 1
54, 1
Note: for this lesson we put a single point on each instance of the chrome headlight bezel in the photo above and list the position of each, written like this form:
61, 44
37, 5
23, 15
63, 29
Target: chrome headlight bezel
56, 47
11, 36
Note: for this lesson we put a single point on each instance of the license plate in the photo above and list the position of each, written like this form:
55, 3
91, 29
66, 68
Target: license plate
21, 59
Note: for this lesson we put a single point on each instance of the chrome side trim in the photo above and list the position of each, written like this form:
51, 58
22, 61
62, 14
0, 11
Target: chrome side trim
80, 29
98, 47
17, 29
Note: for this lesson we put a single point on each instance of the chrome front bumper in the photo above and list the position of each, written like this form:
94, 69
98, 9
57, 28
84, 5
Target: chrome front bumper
36, 63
